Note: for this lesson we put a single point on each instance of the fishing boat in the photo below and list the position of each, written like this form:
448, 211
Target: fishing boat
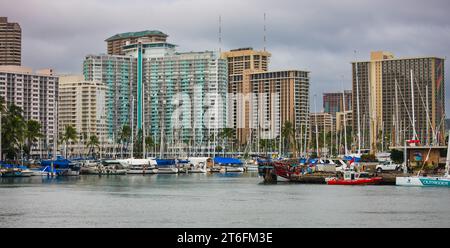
353, 178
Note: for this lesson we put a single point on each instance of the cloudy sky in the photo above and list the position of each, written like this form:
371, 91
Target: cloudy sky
319, 36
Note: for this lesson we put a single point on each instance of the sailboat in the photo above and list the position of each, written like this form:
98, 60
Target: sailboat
428, 181
423, 180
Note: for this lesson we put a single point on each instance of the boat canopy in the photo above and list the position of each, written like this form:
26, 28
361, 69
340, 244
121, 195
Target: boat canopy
58, 163
220, 160
165, 162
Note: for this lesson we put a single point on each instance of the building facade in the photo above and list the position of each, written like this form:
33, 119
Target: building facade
10, 43
241, 63
334, 102
82, 104
116, 42
118, 73
179, 98
36, 93
386, 99
276, 97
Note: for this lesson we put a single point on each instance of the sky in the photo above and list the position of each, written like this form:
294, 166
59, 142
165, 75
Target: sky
320, 36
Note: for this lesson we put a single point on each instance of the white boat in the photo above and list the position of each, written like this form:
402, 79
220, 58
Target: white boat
165, 166
195, 165
225, 169
423, 181
139, 166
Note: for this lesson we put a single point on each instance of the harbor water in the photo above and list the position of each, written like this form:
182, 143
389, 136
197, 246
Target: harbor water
213, 200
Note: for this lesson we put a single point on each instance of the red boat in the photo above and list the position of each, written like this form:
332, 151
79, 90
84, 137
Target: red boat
287, 168
353, 178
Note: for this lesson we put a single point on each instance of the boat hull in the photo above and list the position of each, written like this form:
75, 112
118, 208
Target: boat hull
361, 181
423, 181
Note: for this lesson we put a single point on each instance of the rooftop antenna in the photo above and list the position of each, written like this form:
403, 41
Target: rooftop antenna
264, 31
220, 34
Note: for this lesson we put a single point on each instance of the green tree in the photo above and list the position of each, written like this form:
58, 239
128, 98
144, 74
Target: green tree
288, 134
13, 132
124, 137
32, 134
69, 135
92, 144
397, 156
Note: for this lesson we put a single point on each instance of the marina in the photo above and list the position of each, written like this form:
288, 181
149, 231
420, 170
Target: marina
213, 200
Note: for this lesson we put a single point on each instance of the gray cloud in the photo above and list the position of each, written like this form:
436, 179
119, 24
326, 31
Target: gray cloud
318, 36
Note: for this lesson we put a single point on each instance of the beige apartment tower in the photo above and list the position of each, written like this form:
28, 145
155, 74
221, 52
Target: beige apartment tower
115, 43
10, 42
386, 97
82, 105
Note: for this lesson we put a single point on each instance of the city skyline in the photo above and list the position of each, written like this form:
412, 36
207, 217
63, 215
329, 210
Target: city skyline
317, 37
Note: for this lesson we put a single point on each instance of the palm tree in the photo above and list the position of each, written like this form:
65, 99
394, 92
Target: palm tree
149, 143
227, 134
32, 133
288, 133
93, 143
2, 110
124, 136
13, 126
70, 134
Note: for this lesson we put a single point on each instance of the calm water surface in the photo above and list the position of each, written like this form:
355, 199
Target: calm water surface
213, 201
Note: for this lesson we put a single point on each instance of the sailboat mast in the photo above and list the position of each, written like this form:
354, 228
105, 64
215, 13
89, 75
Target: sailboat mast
132, 125
317, 131
397, 119
412, 102
357, 108
447, 161
345, 123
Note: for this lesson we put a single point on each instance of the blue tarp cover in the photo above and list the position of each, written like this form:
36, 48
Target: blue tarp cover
58, 163
162, 162
219, 160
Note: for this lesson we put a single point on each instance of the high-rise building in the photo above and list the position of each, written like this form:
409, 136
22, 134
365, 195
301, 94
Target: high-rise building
82, 104
116, 42
259, 97
242, 61
118, 73
185, 93
334, 102
36, 93
276, 97
10, 42
339, 120
385, 100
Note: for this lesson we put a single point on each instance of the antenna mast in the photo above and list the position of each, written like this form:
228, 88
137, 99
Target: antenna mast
264, 32
220, 34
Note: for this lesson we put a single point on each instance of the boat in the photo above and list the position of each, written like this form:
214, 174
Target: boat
425, 181
192, 165
139, 166
166, 166
9, 170
61, 167
353, 178
229, 164
107, 167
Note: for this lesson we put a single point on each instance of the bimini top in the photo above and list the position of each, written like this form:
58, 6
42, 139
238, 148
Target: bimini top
165, 162
220, 160
136, 35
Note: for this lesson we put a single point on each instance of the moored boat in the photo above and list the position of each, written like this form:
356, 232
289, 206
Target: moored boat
353, 178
